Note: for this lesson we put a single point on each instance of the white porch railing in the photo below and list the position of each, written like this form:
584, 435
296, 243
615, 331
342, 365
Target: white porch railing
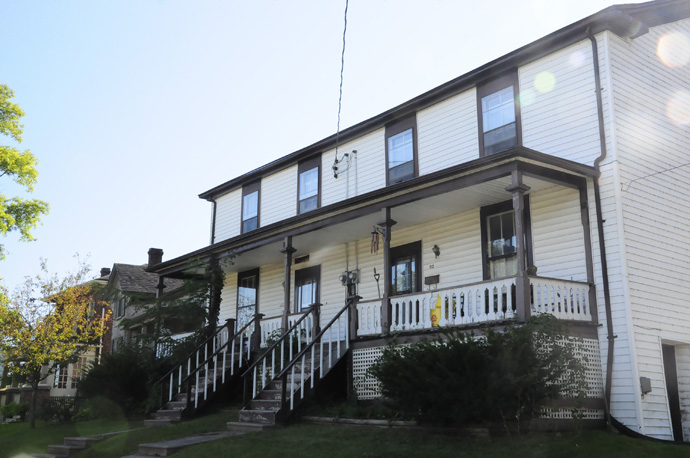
566, 300
269, 326
476, 303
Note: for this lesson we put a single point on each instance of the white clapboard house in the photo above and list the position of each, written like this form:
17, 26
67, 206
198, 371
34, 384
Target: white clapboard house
554, 179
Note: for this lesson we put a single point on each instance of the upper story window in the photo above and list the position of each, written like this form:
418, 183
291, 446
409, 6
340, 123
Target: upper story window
309, 186
499, 117
401, 151
250, 207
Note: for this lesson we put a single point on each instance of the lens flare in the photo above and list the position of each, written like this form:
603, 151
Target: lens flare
673, 49
576, 59
526, 97
678, 108
544, 82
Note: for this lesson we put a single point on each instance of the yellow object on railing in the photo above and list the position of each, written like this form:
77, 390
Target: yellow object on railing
436, 312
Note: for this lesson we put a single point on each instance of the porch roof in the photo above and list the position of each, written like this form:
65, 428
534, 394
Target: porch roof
350, 219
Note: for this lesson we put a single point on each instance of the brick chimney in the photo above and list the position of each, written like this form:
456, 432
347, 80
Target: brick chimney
155, 256
105, 271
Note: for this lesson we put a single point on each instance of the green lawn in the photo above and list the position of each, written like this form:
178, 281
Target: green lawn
17, 438
307, 440
303, 440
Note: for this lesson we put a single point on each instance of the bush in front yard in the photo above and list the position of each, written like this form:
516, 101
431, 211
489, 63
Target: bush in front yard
121, 384
14, 409
504, 376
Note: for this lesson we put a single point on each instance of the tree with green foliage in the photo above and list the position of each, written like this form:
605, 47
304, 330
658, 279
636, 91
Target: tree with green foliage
48, 322
17, 213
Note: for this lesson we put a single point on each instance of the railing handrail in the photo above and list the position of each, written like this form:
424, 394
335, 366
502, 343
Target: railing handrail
275, 344
468, 285
218, 351
315, 339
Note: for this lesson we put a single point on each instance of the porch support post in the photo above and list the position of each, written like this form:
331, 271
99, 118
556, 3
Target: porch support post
589, 258
385, 224
287, 250
522, 287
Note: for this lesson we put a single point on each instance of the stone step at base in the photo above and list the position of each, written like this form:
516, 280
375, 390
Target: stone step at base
44, 455
82, 442
168, 414
266, 417
264, 404
269, 394
244, 427
176, 405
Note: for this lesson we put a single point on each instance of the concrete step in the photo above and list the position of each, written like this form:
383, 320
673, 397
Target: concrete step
266, 417
168, 414
176, 405
181, 397
43, 455
167, 448
244, 427
64, 450
264, 404
269, 394
82, 442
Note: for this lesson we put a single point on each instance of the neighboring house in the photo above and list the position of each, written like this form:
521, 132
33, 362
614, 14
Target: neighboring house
133, 292
64, 381
554, 179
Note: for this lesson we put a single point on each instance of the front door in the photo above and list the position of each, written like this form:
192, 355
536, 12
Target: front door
247, 296
307, 288
671, 375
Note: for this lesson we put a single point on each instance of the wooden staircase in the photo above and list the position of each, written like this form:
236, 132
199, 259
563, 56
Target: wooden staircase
277, 382
195, 381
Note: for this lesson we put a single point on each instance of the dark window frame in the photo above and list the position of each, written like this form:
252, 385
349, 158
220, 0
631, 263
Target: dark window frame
502, 207
246, 190
399, 127
240, 276
495, 85
306, 166
300, 275
413, 249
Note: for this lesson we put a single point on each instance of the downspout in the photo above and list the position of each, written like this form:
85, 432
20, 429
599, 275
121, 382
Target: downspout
213, 223
600, 229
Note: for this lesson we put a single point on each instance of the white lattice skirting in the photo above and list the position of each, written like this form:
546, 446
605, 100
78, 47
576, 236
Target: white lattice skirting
368, 387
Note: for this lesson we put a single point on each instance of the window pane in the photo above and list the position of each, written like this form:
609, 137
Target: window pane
509, 241
309, 183
249, 225
495, 236
404, 278
400, 149
500, 139
498, 109
308, 204
250, 205
401, 173
246, 294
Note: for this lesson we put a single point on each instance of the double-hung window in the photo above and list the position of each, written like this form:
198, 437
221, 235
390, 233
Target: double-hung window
250, 207
401, 151
499, 115
499, 242
309, 185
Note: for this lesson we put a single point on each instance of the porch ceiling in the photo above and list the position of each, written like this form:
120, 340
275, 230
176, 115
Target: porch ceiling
406, 215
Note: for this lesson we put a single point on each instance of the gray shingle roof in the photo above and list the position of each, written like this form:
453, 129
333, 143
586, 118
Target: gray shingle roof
135, 279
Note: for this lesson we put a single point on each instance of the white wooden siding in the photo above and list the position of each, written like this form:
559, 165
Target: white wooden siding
279, 196
448, 133
228, 215
367, 171
271, 289
561, 119
228, 298
557, 235
655, 210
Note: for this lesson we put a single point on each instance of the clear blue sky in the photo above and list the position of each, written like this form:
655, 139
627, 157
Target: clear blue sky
134, 107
